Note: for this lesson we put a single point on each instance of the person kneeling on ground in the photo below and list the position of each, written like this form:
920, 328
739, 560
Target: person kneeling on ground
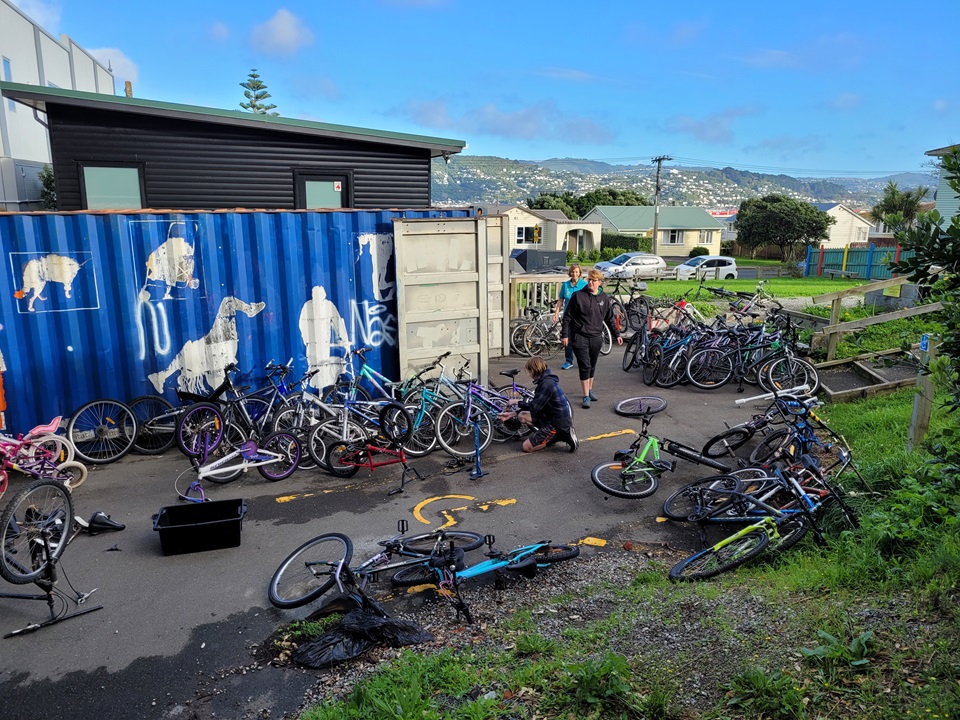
548, 412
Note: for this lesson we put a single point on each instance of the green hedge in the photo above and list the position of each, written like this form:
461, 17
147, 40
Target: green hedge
624, 243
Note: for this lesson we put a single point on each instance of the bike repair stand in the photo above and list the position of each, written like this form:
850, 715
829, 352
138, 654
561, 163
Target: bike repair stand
47, 582
477, 471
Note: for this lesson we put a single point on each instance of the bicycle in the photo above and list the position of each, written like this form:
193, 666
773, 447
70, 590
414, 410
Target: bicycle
102, 431
344, 459
447, 571
633, 475
315, 567
776, 529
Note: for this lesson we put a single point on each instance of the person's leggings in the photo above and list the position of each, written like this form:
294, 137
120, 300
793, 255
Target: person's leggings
587, 350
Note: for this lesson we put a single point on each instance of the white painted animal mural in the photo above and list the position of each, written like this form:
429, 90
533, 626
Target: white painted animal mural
201, 362
172, 263
39, 271
322, 328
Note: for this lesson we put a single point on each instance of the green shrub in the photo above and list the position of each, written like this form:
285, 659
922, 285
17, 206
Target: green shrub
758, 693
698, 251
612, 252
628, 243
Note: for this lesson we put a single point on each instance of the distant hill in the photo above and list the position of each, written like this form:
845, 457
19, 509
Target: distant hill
478, 179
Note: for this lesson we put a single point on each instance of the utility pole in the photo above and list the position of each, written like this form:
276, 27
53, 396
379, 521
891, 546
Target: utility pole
659, 160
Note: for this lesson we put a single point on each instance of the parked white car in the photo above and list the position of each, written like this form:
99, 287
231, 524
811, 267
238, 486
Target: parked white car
633, 265
719, 267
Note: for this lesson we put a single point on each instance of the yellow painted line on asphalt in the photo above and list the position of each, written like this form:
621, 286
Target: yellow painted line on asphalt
592, 541
298, 496
447, 513
616, 433
502, 503
418, 510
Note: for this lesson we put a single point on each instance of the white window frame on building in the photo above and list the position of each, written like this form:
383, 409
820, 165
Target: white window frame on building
706, 237
528, 235
673, 237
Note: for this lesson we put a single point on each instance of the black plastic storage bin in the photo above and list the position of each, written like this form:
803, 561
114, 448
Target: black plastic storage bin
197, 527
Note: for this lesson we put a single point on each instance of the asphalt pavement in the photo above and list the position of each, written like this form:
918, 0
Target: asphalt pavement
177, 635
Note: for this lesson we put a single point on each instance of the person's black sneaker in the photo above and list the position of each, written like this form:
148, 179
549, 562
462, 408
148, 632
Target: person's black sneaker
574, 440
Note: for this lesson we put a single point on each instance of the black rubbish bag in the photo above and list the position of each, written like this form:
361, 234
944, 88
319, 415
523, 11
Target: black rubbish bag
384, 630
332, 648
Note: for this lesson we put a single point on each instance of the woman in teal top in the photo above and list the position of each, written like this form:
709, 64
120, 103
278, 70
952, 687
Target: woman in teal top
568, 288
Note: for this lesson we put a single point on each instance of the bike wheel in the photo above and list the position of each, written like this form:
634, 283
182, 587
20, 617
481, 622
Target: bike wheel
721, 557
606, 347
724, 444
790, 531
630, 481
233, 437
336, 394
71, 473
328, 432
199, 429
709, 369
630, 352
769, 445
640, 406
549, 554
426, 542
620, 316
414, 575
55, 448
286, 445
790, 372
673, 368
695, 499
339, 454
457, 433
423, 439
396, 425
38, 517
517, 335
102, 431
156, 424
651, 359
308, 572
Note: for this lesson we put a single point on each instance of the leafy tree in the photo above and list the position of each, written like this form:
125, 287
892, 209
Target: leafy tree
255, 91
48, 188
576, 206
936, 242
900, 206
778, 220
553, 201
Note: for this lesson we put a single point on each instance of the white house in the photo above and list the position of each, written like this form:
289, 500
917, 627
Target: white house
948, 204
849, 228
679, 229
33, 56
545, 229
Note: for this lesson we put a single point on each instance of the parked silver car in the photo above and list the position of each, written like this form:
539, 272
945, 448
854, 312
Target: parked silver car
633, 265
720, 267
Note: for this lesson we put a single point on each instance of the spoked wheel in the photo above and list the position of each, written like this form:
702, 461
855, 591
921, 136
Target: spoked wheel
630, 360
71, 473
309, 571
457, 433
715, 560
340, 456
673, 368
630, 481
549, 554
200, 429
414, 575
606, 347
769, 445
651, 360
640, 406
424, 437
426, 542
727, 442
156, 424
329, 432
55, 448
789, 372
38, 517
790, 531
709, 368
102, 431
695, 499
395, 423
286, 445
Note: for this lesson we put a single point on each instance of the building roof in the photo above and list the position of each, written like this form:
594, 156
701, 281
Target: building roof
825, 207
634, 218
942, 151
40, 97
555, 215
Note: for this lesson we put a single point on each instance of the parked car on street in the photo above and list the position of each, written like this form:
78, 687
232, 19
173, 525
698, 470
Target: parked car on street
633, 265
718, 267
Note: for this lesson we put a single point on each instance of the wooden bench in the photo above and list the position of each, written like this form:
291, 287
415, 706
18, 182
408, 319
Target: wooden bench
842, 273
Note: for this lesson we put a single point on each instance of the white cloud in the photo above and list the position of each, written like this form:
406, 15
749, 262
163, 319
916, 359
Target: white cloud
45, 14
283, 34
716, 128
220, 31
123, 67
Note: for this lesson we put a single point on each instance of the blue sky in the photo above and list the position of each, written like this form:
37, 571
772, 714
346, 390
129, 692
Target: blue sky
815, 88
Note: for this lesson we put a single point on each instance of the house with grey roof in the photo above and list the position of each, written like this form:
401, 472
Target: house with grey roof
545, 229
850, 226
679, 229
948, 204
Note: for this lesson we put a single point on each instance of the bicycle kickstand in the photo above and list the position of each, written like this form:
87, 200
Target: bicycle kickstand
403, 479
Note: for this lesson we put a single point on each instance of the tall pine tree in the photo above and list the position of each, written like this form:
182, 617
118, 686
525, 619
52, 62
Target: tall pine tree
255, 91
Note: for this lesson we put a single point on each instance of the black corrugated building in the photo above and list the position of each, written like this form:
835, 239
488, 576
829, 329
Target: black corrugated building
128, 153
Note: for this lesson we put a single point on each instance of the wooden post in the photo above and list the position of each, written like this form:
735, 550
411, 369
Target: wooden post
834, 337
820, 263
923, 400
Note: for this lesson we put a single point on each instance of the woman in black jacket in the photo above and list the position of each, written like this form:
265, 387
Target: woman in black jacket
582, 328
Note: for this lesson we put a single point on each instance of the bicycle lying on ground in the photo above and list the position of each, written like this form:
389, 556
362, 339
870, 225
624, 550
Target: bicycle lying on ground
447, 571
316, 566
635, 473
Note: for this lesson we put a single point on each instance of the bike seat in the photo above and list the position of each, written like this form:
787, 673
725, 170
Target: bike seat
50, 427
510, 373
